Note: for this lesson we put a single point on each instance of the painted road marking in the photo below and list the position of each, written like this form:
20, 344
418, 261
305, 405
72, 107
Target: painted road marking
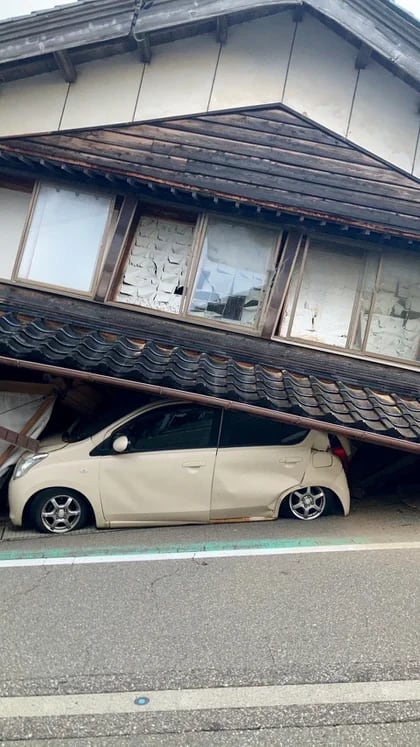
210, 698
120, 555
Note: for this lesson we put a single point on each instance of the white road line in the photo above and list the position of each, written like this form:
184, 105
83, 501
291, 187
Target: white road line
142, 557
211, 698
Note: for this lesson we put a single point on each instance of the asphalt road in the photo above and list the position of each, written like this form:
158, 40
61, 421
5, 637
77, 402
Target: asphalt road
228, 633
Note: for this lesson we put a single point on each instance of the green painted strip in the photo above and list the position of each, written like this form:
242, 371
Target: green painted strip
271, 544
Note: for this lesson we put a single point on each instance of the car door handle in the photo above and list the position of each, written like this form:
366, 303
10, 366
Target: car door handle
194, 464
290, 460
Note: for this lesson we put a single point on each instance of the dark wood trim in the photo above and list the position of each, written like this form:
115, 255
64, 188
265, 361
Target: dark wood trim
125, 219
281, 282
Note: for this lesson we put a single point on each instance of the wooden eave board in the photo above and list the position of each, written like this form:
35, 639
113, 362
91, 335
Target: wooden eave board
268, 156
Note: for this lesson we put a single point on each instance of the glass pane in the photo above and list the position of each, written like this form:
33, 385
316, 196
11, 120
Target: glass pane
65, 237
234, 272
158, 263
14, 207
240, 429
183, 427
329, 289
395, 325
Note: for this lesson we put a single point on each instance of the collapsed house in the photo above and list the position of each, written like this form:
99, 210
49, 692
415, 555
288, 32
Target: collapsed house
219, 203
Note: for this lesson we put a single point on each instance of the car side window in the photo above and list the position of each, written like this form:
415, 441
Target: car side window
241, 429
174, 427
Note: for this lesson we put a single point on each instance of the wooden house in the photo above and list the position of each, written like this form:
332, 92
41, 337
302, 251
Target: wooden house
219, 201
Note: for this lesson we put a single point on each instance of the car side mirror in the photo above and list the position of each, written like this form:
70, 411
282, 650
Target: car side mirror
120, 444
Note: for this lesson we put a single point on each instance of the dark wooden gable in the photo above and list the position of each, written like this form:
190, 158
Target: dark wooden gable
270, 157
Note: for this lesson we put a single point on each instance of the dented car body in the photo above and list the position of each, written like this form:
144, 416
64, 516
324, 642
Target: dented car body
179, 463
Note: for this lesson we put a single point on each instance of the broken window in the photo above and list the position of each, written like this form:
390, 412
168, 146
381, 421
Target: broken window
394, 324
157, 265
234, 272
322, 295
64, 238
360, 301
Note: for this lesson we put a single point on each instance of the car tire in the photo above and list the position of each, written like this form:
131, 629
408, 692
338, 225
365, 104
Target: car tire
308, 503
58, 511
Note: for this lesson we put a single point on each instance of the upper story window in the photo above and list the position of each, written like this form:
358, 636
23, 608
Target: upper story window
215, 269
363, 301
54, 237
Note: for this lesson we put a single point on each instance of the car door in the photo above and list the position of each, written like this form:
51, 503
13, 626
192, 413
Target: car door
165, 474
257, 459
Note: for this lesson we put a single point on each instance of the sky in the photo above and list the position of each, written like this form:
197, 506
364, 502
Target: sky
12, 8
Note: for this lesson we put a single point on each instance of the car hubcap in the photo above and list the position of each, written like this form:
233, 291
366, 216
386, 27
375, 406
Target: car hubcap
307, 503
60, 514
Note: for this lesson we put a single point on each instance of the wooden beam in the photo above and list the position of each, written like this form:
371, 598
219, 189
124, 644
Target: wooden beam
222, 29
281, 282
125, 220
145, 48
65, 64
363, 56
18, 439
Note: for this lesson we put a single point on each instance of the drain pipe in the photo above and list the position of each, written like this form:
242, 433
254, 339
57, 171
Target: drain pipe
204, 399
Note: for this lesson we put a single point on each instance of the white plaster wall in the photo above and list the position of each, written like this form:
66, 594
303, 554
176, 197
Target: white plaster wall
265, 61
253, 63
32, 105
385, 117
179, 78
322, 75
105, 92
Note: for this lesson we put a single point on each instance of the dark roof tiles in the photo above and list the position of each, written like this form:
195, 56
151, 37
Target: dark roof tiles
333, 401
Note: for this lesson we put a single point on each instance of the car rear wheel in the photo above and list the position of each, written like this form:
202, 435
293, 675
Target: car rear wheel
58, 511
308, 503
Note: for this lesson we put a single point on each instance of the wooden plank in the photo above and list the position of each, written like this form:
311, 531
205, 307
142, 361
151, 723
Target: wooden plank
125, 218
17, 439
281, 282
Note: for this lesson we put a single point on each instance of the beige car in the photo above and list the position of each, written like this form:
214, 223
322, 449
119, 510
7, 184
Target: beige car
179, 463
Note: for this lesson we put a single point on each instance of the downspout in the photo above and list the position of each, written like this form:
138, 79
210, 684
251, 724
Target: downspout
163, 391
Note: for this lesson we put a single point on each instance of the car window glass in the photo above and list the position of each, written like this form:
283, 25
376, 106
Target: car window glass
241, 429
179, 427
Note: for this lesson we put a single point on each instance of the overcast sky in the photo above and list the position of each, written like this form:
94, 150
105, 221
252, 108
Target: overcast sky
11, 8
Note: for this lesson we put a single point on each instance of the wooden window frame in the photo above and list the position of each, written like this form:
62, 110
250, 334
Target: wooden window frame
102, 252
350, 347
184, 314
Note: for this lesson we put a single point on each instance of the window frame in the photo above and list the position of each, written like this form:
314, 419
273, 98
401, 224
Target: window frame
196, 254
103, 249
379, 253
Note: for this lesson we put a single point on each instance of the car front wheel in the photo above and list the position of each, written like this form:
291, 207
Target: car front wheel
307, 503
58, 511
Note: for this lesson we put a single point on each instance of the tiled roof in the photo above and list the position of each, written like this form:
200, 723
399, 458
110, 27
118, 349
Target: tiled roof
35, 339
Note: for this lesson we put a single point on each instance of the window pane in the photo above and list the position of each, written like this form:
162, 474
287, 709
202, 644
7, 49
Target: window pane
241, 429
65, 237
395, 324
327, 295
158, 263
234, 272
179, 427
14, 207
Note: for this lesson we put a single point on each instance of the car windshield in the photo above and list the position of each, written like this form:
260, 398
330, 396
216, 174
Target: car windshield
86, 426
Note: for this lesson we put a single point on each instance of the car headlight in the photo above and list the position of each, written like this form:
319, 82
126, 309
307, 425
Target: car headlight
26, 463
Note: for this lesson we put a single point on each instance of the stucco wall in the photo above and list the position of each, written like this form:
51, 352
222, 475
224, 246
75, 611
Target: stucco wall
304, 65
